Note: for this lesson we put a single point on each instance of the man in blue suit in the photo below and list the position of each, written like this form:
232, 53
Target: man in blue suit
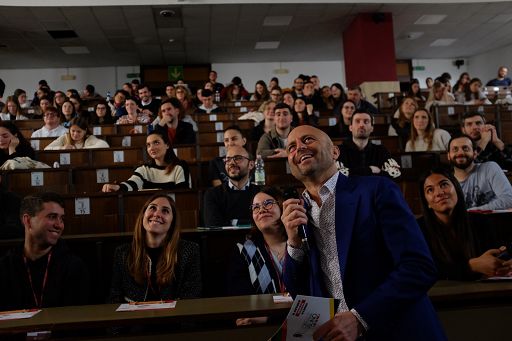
363, 247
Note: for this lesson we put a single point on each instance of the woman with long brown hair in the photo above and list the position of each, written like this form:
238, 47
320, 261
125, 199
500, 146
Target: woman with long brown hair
425, 137
158, 264
78, 137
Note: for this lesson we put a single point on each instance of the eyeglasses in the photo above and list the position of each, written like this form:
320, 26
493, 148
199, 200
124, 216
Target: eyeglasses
51, 114
236, 158
267, 205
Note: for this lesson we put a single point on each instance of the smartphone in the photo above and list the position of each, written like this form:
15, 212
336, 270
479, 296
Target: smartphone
507, 254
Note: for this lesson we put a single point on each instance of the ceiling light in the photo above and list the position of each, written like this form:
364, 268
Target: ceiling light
414, 35
500, 19
277, 20
167, 13
430, 19
266, 45
443, 42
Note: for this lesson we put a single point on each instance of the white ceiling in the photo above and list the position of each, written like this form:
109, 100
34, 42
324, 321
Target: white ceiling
224, 33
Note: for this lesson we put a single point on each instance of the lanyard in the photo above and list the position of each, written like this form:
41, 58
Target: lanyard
280, 281
39, 302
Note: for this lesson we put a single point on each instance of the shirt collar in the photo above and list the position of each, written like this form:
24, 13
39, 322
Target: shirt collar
327, 189
244, 187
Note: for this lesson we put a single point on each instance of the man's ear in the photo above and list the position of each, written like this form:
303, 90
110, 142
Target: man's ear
25, 219
335, 152
251, 164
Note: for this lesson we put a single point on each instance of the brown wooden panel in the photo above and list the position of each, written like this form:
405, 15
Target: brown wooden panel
29, 124
212, 117
208, 152
131, 156
128, 129
187, 153
104, 129
132, 140
210, 138
47, 179
65, 158
392, 143
102, 217
90, 180
40, 143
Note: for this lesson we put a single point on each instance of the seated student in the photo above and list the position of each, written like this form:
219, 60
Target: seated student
158, 264
257, 264
163, 171
229, 201
439, 95
78, 137
473, 95
261, 92
341, 128
273, 143
268, 122
208, 107
12, 110
169, 122
502, 79
484, 185
44, 103
303, 113
117, 105
424, 135
10, 223
401, 123
148, 103
415, 91
102, 114
68, 113
358, 156
448, 233
42, 272
12, 143
233, 137
52, 126
355, 95
132, 115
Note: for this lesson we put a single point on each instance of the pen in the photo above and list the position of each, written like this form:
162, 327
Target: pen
150, 302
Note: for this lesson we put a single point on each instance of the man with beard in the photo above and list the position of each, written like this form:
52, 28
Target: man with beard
485, 186
230, 201
148, 103
363, 248
42, 272
361, 157
486, 138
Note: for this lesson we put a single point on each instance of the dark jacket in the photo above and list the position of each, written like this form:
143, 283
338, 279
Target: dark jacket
10, 222
186, 282
21, 150
67, 283
184, 133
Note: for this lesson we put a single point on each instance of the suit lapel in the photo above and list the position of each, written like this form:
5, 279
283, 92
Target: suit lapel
346, 204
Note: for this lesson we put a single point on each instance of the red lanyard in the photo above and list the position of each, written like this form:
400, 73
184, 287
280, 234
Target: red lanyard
39, 302
282, 288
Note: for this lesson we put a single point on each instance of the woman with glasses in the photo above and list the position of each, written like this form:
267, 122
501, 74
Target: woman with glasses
102, 114
163, 171
257, 266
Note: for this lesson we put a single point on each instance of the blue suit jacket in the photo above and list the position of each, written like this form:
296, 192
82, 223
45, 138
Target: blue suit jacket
385, 264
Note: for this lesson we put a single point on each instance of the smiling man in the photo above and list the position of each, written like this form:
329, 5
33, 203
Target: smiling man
42, 272
231, 199
364, 248
485, 186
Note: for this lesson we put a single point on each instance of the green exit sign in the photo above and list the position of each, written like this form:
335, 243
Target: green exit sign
418, 68
175, 72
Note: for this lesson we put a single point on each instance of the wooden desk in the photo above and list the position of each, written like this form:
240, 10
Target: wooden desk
187, 311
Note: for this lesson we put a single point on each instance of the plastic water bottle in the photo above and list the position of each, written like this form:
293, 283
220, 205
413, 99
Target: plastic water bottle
259, 171
108, 96
217, 96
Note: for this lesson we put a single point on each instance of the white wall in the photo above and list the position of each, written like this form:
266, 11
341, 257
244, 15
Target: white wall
328, 71
435, 67
485, 66
104, 79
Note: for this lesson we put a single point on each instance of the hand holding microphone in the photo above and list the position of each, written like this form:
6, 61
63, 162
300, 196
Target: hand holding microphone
295, 219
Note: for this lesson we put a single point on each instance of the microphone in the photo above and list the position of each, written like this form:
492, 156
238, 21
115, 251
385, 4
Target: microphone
291, 193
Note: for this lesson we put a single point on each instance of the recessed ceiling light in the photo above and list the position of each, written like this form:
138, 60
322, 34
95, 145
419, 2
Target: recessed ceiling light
266, 45
171, 40
277, 20
443, 42
75, 50
430, 19
167, 13
414, 35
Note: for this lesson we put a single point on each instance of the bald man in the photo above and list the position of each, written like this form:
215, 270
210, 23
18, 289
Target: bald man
363, 247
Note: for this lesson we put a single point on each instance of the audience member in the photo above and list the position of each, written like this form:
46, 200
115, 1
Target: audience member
273, 143
148, 103
401, 122
233, 93
13, 143
212, 76
415, 91
288, 99
502, 79
257, 264
489, 145
68, 113
356, 223
170, 91
59, 99
237, 81
425, 137
226, 204
459, 89
358, 156
89, 92
303, 113
163, 171
21, 96
42, 272
52, 126
168, 121
337, 98
355, 95
12, 110
133, 116
439, 95
102, 114
208, 107
473, 95
261, 92
298, 87
233, 137
268, 122
78, 137
484, 185
185, 98
158, 265
276, 94
117, 106
429, 82
274, 83
448, 233
341, 128
311, 97
44, 102
10, 223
